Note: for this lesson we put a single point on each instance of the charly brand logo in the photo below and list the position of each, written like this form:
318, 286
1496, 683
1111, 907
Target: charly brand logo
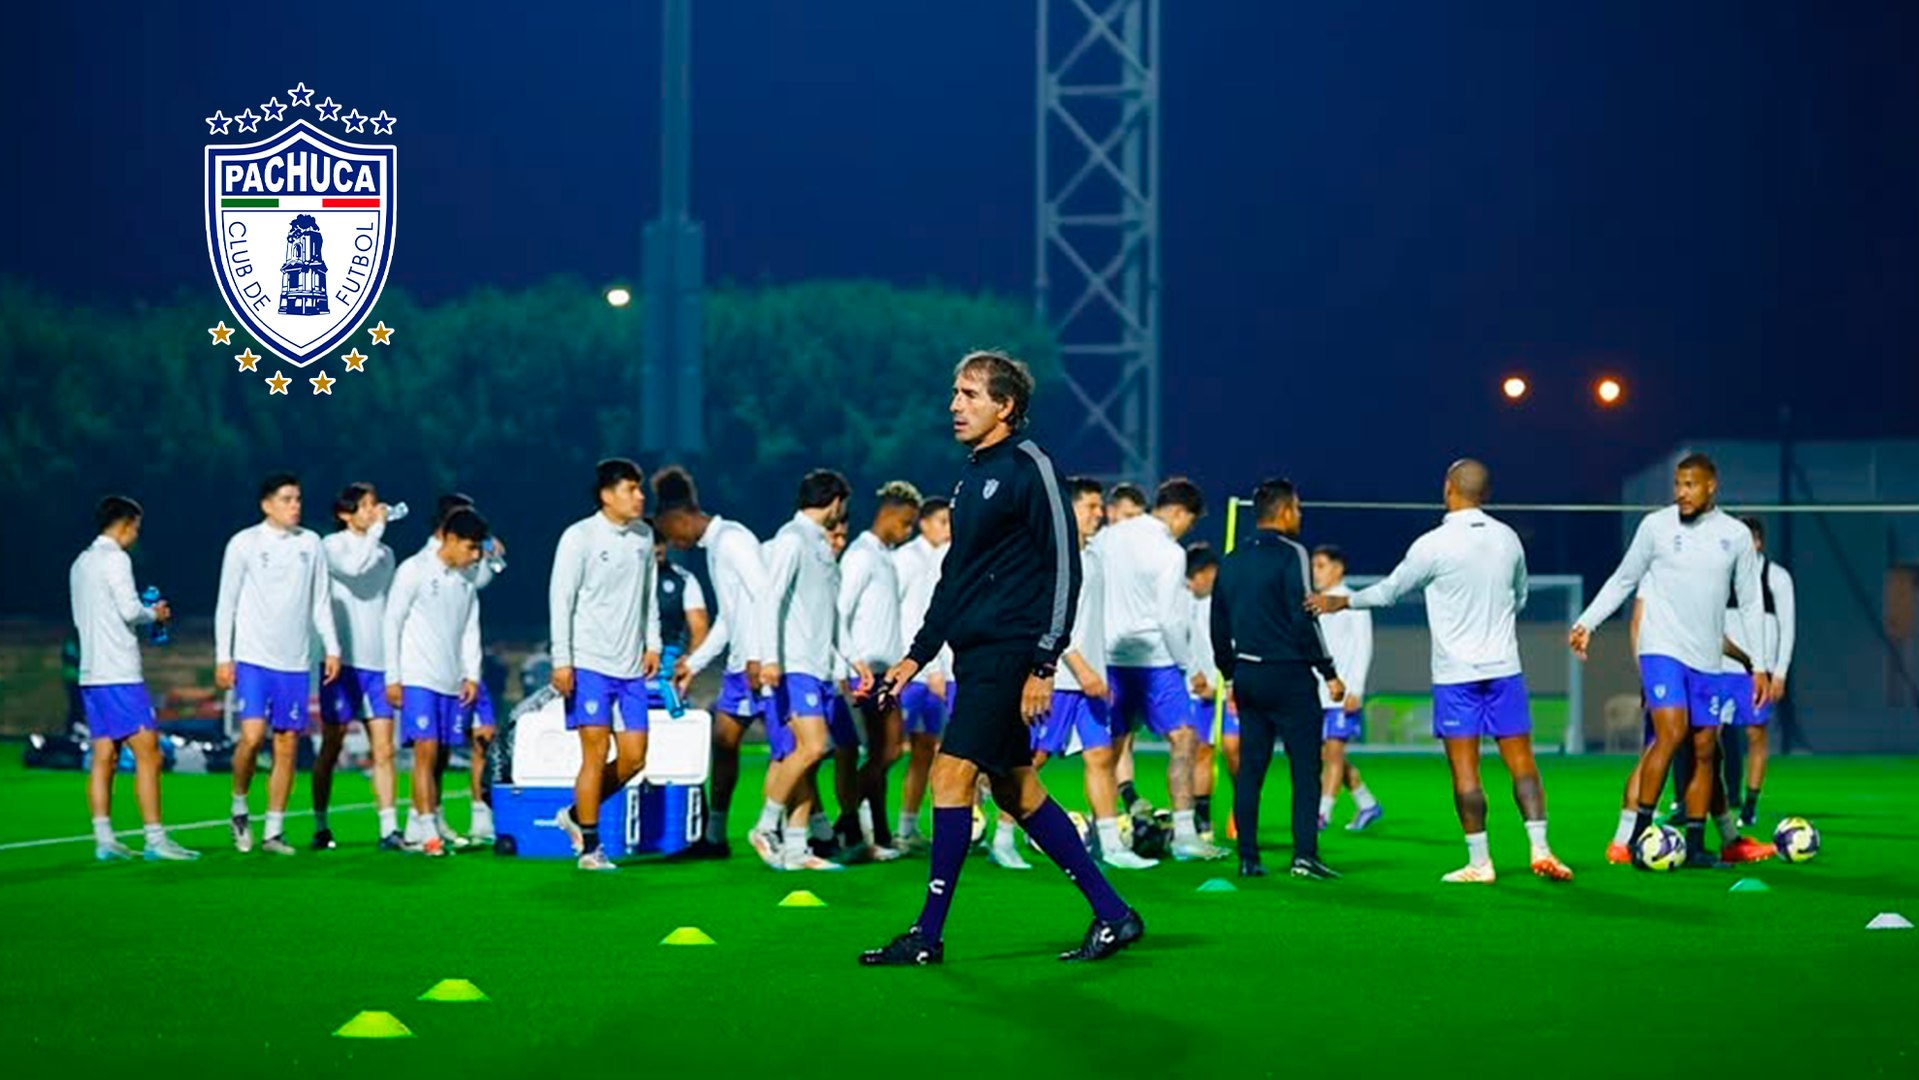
300, 231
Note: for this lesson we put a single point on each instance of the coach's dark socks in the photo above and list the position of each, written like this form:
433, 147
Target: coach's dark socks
952, 835
1053, 831
1128, 794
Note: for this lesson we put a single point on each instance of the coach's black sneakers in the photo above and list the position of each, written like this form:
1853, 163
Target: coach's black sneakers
1104, 939
907, 950
1313, 868
1251, 867
323, 840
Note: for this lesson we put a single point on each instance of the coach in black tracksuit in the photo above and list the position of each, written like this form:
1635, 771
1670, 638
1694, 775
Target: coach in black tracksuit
1268, 646
1008, 588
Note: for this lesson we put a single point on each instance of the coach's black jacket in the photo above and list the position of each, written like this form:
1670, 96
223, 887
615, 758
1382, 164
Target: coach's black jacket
1011, 577
1259, 607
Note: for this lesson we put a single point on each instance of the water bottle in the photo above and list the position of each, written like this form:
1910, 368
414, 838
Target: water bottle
158, 633
497, 563
395, 512
669, 694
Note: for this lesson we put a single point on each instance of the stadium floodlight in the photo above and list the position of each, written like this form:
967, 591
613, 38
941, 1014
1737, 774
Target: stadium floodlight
1515, 387
1609, 391
619, 296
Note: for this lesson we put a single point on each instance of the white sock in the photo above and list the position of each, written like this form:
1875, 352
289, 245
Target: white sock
482, 816
909, 824
1109, 841
1476, 852
716, 826
1536, 832
239, 806
1004, 835
1184, 827
276, 823
156, 834
319, 820
819, 828
1728, 823
1364, 797
1627, 819
866, 821
389, 821
1325, 805
770, 816
795, 845
103, 830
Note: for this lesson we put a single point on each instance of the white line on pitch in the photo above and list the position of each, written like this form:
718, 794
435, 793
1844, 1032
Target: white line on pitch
192, 825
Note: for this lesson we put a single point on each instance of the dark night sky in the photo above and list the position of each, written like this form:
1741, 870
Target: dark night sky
1370, 210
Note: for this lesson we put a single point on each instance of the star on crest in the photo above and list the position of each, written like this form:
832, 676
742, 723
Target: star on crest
355, 360
279, 384
381, 333
355, 123
323, 384
302, 97
248, 121
218, 123
221, 332
329, 109
272, 109
383, 124
248, 359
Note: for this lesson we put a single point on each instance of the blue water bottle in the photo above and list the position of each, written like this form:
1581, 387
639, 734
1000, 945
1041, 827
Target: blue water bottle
669, 694
159, 634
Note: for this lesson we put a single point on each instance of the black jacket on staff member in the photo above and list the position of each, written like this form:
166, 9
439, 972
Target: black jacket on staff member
1268, 646
1008, 588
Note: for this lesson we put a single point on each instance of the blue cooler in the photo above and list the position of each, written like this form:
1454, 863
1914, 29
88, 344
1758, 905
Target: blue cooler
641, 819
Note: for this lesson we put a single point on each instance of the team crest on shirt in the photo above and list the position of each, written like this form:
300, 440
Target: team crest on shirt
299, 228
1725, 545
987, 491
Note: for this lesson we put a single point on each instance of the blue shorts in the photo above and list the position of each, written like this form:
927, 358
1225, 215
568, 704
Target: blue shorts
737, 699
594, 698
1732, 693
1669, 684
1341, 724
1495, 707
839, 723
798, 697
924, 714
479, 715
430, 714
276, 696
1157, 693
1073, 713
118, 711
358, 694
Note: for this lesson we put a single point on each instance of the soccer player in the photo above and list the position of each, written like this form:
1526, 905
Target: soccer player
869, 614
1126, 502
1151, 667
1005, 604
1269, 644
1473, 571
684, 622
926, 700
1695, 557
432, 649
1349, 637
274, 599
803, 593
743, 630
1081, 709
476, 717
1202, 570
113, 689
360, 570
1775, 645
605, 632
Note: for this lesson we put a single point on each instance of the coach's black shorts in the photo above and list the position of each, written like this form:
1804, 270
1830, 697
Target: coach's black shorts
985, 727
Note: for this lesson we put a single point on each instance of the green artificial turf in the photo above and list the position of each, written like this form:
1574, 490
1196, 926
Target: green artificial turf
244, 965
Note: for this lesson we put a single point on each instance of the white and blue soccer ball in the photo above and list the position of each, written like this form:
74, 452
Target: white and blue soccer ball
1796, 840
1660, 847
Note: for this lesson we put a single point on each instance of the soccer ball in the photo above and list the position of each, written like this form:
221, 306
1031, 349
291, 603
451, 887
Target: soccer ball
1796, 840
1660, 847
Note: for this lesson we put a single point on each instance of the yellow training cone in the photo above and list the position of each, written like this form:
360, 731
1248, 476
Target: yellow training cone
454, 990
373, 1025
802, 898
687, 935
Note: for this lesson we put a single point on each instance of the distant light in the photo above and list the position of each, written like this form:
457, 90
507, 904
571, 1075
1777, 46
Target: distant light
1515, 387
1609, 390
618, 296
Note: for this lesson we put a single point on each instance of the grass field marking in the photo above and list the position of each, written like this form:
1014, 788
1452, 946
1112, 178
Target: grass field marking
190, 826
